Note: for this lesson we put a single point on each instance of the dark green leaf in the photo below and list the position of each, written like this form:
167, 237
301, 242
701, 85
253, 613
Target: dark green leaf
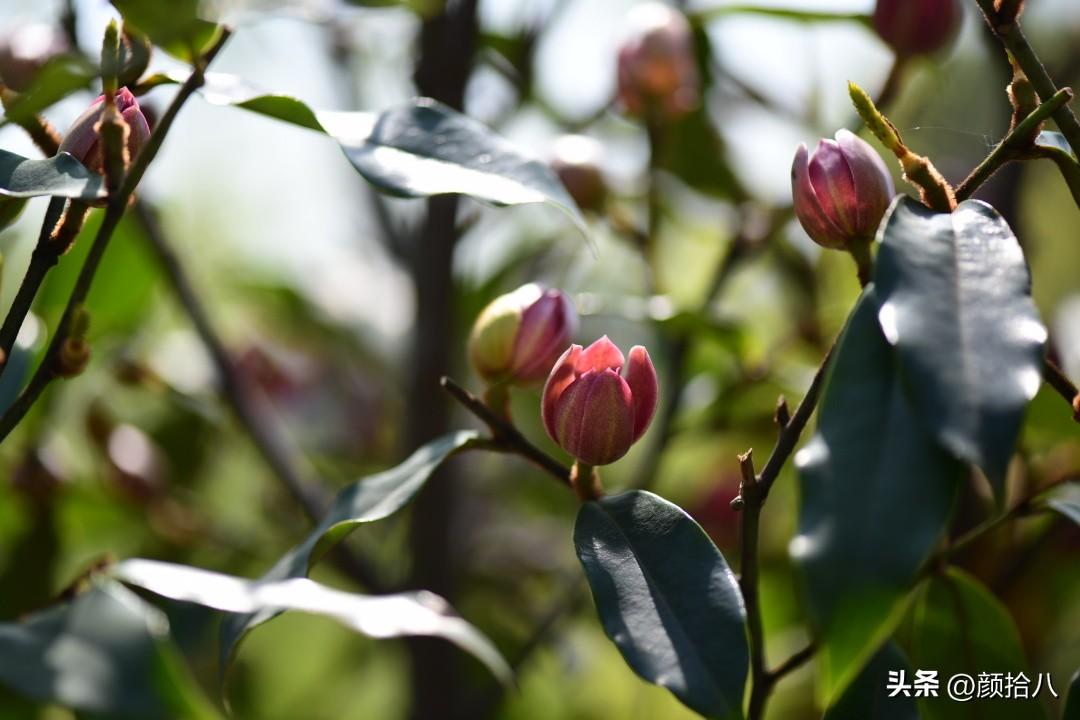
1054, 146
60, 176
104, 652
959, 627
367, 500
1072, 700
173, 25
956, 301
667, 599
1067, 501
867, 698
58, 78
418, 150
876, 494
383, 616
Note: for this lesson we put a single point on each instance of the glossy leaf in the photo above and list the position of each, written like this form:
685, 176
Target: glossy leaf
959, 627
367, 500
106, 652
59, 77
1072, 700
421, 149
1054, 146
60, 176
1066, 501
956, 302
876, 495
867, 698
173, 25
384, 616
666, 598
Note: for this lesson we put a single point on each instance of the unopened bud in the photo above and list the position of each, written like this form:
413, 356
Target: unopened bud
24, 51
518, 336
658, 75
595, 409
917, 27
83, 138
841, 192
576, 160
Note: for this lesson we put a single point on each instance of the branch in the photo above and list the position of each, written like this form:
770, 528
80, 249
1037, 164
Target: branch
117, 203
1058, 380
504, 436
252, 410
750, 494
1014, 143
1012, 37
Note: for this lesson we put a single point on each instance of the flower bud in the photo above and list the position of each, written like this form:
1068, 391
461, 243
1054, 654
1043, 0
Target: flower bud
518, 337
592, 409
24, 51
657, 67
576, 160
840, 192
917, 27
83, 138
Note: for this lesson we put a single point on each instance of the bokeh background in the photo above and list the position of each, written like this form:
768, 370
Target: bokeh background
324, 295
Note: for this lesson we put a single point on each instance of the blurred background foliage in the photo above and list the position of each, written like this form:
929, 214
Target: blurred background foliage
344, 309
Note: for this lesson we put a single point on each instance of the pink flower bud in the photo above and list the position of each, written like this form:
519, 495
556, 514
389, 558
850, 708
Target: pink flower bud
591, 410
657, 66
917, 27
840, 192
24, 50
518, 336
84, 141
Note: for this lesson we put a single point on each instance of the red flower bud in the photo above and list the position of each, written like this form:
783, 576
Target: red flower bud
24, 50
917, 27
591, 410
657, 66
840, 192
576, 160
84, 141
518, 337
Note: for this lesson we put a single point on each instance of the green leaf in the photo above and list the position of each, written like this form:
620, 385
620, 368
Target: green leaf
960, 627
60, 176
172, 25
383, 616
1066, 501
666, 598
367, 500
421, 149
1072, 700
59, 77
107, 652
1054, 146
876, 495
867, 698
956, 302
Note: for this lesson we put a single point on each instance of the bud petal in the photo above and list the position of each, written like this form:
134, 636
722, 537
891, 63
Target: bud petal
601, 355
595, 419
84, 141
874, 187
546, 327
657, 68
562, 376
807, 207
641, 377
917, 27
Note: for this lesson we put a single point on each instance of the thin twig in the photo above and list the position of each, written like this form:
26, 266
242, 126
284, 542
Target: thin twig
1012, 37
251, 408
1064, 387
792, 663
1010, 148
117, 204
750, 495
506, 437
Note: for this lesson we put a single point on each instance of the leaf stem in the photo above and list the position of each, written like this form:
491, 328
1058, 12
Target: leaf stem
1010, 148
504, 436
1012, 37
117, 203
